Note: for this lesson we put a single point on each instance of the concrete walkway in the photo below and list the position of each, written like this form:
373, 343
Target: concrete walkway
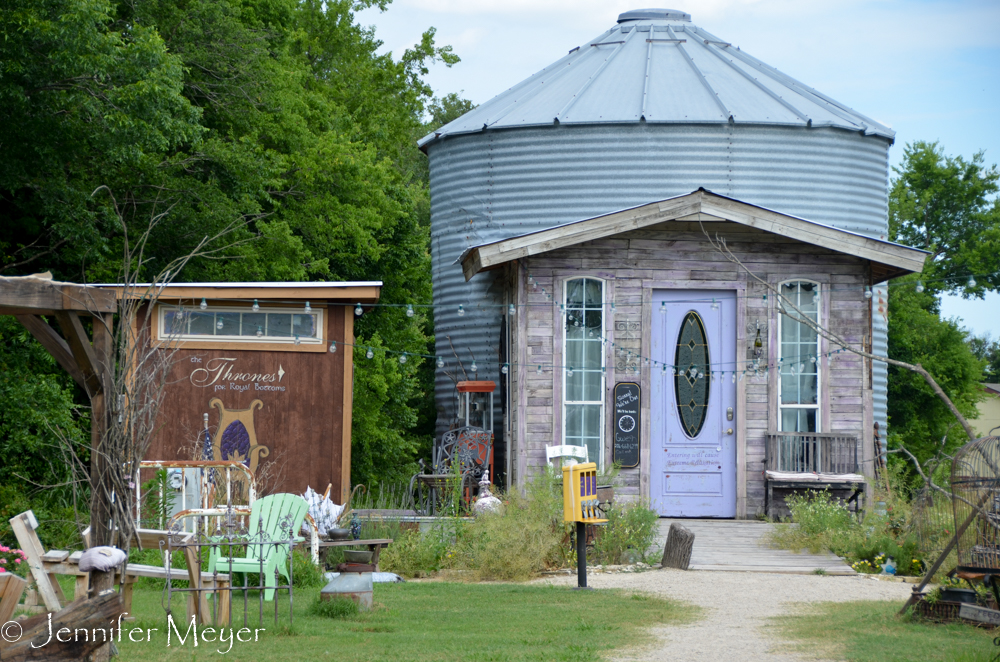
736, 545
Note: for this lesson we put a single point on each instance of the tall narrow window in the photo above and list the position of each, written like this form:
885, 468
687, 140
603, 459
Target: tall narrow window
798, 384
583, 367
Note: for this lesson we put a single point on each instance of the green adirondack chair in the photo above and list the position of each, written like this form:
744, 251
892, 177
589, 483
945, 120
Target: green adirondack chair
266, 515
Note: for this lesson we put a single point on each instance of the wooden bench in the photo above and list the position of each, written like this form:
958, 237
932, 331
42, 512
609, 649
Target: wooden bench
812, 461
45, 565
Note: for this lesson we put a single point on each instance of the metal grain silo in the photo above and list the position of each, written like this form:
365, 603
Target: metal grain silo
652, 108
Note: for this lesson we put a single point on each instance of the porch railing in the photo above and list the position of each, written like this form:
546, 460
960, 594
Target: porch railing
811, 452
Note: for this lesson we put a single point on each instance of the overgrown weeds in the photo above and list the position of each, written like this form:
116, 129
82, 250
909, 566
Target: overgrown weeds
628, 536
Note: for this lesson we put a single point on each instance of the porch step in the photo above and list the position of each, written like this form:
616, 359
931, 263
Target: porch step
735, 546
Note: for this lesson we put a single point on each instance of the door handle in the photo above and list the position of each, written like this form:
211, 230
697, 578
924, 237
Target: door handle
729, 431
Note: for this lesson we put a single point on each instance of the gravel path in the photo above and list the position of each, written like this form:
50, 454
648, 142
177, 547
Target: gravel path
737, 607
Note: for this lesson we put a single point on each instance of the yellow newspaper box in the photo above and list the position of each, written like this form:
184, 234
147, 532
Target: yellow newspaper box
580, 494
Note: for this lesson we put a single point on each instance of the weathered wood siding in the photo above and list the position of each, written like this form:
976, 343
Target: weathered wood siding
677, 255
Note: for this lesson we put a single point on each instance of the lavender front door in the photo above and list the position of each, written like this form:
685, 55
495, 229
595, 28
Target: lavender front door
693, 413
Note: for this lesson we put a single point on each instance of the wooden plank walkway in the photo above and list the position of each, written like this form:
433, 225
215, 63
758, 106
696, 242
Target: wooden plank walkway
736, 545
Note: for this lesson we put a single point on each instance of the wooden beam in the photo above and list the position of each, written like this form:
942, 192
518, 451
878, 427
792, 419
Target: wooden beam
41, 296
80, 345
55, 345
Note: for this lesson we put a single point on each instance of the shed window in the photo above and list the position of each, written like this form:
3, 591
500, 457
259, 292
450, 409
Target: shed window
583, 367
241, 325
798, 382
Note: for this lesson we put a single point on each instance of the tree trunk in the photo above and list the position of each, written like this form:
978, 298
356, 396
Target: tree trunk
677, 551
99, 617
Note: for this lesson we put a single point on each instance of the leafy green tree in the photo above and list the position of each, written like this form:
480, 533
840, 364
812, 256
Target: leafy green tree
987, 349
948, 206
275, 121
942, 204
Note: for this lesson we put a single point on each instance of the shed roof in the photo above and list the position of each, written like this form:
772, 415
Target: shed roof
655, 66
361, 291
888, 259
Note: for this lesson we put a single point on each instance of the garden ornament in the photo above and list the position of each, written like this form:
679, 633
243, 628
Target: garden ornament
486, 503
355, 527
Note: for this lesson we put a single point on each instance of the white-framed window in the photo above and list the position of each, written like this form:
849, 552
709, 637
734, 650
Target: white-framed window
798, 351
583, 366
241, 324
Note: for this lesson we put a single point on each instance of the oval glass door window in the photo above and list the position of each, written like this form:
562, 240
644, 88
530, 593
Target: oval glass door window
691, 386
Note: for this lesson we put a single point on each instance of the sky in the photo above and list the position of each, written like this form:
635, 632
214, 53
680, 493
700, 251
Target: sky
928, 69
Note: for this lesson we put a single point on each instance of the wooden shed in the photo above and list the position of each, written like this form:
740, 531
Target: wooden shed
638, 302
256, 359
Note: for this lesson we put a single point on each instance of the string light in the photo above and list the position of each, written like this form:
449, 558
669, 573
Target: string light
333, 347
402, 358
308, 309
409, 310
473, 367
511, 310
461, 310
204, 304
663, 307
569, 371
440, 362
920, 287
715, 304
358, 310
255, 307
868, 292
369, 354
218, 324
972, 282
538, 370
504, 369
260, 331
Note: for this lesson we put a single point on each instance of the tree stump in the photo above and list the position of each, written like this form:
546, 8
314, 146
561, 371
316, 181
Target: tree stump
677, 551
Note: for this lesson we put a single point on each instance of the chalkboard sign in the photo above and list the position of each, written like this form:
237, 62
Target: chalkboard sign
626, 446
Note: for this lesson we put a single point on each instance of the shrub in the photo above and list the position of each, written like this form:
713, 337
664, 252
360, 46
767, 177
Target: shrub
334, 608
305, 573
524, 539
414, 555
631, 526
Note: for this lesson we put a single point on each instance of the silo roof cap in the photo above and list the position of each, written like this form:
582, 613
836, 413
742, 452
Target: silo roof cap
655, 66
654, 14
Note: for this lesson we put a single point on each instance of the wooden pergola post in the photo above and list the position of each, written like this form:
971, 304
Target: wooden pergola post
89, 362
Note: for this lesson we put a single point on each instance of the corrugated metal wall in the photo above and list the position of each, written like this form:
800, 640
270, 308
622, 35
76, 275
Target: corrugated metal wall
503, 183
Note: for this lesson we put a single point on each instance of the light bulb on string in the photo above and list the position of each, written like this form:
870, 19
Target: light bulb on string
369, 354
812, 359
538, 370
734, 376
569, 371
612, 306
715, 304
461, 310
358, 310
204, 304
402, 358
409, 310
920, 287
260, 331
511, 310
504, 369
218, 324
440, 362
308, 309
333, 347
297, 341
700, 374
663, 307
473, 367
868, 292
741, 375
180, 313
255, 307
972, 282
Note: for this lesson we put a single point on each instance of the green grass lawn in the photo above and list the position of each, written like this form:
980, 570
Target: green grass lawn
871, 632
426, 621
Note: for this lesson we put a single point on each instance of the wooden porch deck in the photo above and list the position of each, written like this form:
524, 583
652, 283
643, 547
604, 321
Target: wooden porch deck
735, 545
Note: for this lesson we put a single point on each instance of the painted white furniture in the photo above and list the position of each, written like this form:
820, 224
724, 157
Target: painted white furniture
568, 454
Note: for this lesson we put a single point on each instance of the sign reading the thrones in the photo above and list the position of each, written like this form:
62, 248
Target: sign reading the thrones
626, 421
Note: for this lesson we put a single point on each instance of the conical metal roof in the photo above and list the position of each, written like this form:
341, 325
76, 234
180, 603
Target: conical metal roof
655, 66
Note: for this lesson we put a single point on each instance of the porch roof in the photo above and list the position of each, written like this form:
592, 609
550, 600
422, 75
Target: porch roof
888, 259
